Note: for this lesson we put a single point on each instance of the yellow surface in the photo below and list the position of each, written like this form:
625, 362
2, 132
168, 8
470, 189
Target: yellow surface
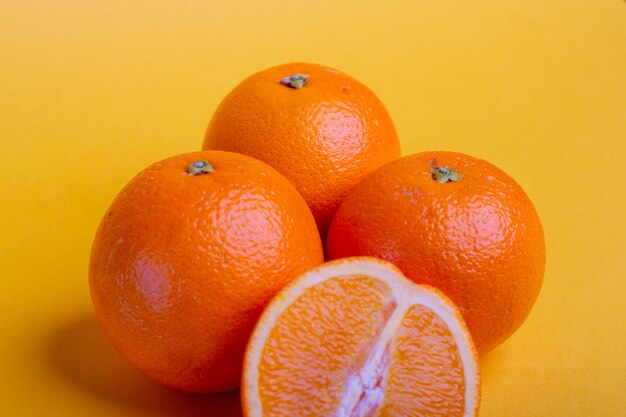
93, 91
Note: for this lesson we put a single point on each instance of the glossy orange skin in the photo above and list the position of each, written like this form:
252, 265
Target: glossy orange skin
479, 240
324, 137
182, 266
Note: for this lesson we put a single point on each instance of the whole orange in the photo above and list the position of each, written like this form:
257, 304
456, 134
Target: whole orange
187, 257
319, 127
457, 223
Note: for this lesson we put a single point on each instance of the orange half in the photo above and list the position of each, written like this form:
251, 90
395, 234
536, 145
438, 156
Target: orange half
355, 338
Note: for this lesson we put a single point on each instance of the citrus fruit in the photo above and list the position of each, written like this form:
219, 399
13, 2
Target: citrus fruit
355, 338
319, 127
454, 222
187, 256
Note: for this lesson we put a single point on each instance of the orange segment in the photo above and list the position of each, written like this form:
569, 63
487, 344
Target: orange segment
355, 338
426, 358
321, 336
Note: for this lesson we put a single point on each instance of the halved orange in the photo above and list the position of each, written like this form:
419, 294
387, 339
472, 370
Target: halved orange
355, 338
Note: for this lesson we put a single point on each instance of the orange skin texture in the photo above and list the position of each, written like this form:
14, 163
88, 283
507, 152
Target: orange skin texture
324, 137
182, 265
479, 239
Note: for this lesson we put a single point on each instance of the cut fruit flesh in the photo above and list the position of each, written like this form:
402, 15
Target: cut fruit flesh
354, 338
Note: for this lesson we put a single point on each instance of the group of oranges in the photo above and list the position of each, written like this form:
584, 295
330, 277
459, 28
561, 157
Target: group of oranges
207, 272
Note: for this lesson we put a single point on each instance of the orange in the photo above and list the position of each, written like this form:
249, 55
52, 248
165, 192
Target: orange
454, 222
187, 256
355, 338
319, 127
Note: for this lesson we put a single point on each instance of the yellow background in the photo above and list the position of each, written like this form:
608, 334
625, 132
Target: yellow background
91, 92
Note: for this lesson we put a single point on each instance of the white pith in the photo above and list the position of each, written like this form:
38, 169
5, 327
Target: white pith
364, 389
